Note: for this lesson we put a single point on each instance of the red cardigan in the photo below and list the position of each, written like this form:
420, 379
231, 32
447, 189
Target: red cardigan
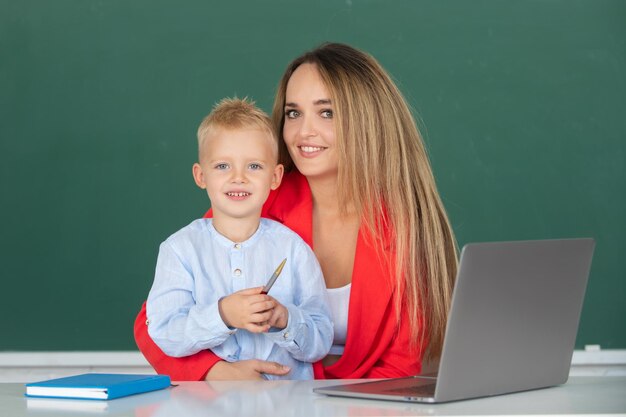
377, 346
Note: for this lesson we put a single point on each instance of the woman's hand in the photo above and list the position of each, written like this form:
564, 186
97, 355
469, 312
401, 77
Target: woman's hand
245, 370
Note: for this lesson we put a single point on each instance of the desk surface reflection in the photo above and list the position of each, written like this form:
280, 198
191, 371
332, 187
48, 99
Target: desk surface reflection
581, 395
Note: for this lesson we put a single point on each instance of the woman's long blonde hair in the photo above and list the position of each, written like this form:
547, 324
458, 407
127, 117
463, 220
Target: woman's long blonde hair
384, 172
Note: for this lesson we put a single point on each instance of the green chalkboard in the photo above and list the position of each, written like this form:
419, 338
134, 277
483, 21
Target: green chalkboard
522, 104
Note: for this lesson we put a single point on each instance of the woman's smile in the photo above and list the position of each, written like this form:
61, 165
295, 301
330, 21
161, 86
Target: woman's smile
308, 151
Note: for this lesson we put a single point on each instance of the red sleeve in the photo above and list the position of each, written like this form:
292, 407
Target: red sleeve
398, 360
189, 368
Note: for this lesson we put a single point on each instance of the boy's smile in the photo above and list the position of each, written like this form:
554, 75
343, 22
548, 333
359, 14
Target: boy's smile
237, 195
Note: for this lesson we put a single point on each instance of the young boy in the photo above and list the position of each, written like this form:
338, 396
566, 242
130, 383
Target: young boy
209, 275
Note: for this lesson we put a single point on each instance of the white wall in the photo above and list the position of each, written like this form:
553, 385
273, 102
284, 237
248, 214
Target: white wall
36, 366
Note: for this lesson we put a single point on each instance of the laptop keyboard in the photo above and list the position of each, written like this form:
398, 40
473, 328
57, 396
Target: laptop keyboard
415, 390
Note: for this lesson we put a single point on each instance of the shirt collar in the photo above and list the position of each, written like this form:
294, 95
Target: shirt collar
227, 243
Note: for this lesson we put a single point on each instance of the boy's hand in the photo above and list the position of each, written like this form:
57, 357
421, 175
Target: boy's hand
279, 315
248, 309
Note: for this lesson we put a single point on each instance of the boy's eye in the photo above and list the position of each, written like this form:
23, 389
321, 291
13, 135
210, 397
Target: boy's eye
221, 166
292, 114
255, 166
327, 114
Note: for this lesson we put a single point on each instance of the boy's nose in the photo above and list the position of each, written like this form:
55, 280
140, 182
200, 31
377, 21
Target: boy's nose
239, 176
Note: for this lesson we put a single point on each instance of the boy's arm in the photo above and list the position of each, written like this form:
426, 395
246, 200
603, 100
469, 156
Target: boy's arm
178, 325
309, 331
188, 368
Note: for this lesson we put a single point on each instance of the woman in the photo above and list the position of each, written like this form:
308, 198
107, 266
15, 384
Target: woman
360, 191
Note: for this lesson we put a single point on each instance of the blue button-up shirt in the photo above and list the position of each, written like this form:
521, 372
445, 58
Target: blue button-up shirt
197, 266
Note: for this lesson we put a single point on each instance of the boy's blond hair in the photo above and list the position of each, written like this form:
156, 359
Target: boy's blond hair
236, 113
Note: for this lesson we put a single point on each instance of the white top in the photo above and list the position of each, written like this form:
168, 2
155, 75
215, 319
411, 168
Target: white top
339, 301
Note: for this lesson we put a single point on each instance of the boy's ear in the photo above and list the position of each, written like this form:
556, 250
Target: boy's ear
198, 175
277, 177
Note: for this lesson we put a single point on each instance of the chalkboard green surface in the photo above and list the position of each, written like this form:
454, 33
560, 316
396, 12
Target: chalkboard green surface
522, 104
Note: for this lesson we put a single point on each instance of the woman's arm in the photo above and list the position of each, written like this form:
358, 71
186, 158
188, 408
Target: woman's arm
202, 365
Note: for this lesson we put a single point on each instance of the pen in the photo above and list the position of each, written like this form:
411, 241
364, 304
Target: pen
275, 275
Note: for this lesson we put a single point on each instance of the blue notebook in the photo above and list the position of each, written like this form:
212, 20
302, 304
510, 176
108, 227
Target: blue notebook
97, 386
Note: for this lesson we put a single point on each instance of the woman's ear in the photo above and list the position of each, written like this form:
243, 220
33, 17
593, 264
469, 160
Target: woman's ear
198, 175
277, 176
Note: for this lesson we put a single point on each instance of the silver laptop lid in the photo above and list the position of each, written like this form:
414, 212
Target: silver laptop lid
514, 317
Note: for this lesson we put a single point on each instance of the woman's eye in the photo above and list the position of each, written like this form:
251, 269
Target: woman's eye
255, 166
327, 114
292, 114
221, 166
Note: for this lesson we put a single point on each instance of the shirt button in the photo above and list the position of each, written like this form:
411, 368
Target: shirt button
237, 272
147, 322
237, 246
286, 335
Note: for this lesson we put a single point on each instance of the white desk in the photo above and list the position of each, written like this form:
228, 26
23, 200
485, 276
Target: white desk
580, 396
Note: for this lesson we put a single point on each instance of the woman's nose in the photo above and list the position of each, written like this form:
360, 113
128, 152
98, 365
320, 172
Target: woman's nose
307, 127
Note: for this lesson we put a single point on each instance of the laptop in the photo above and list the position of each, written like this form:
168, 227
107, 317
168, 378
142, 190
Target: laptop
511, 327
